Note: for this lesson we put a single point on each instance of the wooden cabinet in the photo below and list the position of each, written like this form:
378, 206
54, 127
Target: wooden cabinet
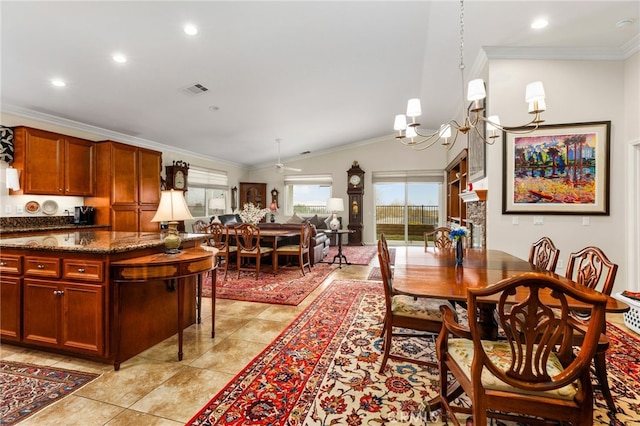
456, 184
54, 164
256, 193
10, 297
64, 315
128, 193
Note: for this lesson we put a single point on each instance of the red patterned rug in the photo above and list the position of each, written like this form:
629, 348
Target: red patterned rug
323, 369
288, 287
27, 388
356, 255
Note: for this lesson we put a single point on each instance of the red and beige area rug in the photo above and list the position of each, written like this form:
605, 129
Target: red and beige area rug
288, 287
356, 255
323, 370
27, 388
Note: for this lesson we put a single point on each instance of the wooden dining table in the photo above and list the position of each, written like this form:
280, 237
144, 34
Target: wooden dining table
434, 274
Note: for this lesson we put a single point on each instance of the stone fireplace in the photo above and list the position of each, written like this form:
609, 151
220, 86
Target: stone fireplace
476, 202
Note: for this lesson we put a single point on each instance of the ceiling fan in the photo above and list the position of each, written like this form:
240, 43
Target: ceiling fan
280, 167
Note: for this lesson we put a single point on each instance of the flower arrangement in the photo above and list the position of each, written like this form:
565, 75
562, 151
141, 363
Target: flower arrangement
458, 232
252, 214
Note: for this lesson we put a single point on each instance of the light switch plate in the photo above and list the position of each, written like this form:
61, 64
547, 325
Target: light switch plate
515, 220
7, 208
586, 221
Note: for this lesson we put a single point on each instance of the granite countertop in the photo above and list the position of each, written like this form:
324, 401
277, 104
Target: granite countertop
46, 228
88, 241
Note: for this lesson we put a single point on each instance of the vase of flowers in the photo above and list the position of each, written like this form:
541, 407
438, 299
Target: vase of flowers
457, 234
252, 214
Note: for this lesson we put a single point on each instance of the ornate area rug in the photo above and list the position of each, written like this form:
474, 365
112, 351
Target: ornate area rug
323, 370
288, 287
356, 255
27, 388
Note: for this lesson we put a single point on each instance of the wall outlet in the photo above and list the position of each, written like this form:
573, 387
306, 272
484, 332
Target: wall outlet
560, 265
515, 220
586, 221
19, 209
538, 220
8, 208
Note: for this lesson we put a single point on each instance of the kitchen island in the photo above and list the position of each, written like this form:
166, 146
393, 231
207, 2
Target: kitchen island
59, 292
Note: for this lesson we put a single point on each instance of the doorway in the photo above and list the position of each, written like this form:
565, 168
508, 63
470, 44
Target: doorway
404, 211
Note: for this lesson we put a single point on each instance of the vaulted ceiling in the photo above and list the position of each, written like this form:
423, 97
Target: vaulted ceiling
316, 75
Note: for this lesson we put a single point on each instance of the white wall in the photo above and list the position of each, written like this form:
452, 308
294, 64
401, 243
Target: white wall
577, 91
385, 153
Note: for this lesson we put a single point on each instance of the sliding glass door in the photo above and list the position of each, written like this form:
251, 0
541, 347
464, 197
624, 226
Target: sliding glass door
405, 210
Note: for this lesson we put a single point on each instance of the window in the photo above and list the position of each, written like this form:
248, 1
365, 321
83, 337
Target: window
307, 194
208, 192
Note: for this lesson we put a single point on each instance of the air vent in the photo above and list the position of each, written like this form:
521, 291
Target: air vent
305, 153
194, 89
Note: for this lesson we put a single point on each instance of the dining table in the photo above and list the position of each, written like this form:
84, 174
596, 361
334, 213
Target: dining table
436, 274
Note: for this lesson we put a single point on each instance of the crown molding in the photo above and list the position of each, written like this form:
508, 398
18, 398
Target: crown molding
564, 53
106, 133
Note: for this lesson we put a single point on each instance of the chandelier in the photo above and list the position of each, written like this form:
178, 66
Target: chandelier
409, 133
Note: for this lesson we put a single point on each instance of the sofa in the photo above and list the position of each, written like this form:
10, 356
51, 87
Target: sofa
319, 247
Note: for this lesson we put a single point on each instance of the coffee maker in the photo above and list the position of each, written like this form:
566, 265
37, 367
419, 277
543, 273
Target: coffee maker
83, 215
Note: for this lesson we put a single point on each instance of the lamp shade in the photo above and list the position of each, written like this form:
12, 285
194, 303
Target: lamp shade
173, 207
476, 90
413, 108
335, 205
216, 204
13, 179
400, 123
534, 92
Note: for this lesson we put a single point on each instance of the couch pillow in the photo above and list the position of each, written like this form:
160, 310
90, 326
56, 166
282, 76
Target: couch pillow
295, 219
315, 221
324, 224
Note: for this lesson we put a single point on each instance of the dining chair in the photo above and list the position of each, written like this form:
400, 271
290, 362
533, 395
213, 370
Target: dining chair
591, 268
301, 249
544, 254
218, 237
248, 241
532, 372
385, 253
198, 226
439, 237
407, 312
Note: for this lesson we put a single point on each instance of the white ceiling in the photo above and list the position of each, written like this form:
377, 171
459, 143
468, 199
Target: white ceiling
314, 74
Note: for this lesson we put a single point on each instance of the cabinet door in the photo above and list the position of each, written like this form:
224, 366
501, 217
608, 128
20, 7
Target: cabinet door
124, 218
82, 318
41, 312
44, 163
150, 163
145, 216
10, 291
124, 174
80, 170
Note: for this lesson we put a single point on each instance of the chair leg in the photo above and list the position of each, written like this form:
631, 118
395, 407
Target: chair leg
258, 266
226, 266
387, 330
301, 260
599, 361
239, 262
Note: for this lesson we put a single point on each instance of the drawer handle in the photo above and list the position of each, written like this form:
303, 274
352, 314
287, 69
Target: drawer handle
3, 263
81, 270
58, 293
41, 266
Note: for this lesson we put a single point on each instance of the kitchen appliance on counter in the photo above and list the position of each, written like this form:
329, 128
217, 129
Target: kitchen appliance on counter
83, 215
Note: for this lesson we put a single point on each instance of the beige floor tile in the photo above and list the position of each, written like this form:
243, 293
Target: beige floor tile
260, 330
230, 356
131, 418
74, 411
180, 397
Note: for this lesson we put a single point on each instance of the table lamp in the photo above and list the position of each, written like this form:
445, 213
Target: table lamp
172, 208
273, 208
335, 205
217, 206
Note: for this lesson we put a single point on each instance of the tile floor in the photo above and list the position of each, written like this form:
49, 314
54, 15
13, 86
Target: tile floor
153, 388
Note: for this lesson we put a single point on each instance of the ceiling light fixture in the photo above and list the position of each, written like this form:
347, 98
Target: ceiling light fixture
190, 29
539, 24
58, 83
119, 58
476, 93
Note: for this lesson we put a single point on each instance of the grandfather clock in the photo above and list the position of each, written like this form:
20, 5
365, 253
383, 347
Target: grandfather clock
355, 191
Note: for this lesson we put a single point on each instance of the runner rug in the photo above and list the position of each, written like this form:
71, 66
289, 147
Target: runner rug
375, 274
323, 369
288, 287
27, 388
356, 255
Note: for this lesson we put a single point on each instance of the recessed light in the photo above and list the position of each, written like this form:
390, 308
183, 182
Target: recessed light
539, 23
624, 23
190, 29
214, 108
119, 58
58, 83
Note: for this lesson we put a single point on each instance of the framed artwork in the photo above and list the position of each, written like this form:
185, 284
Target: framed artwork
557, 169
477, 149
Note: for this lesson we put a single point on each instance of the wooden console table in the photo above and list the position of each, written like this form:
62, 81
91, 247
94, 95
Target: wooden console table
173, 270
